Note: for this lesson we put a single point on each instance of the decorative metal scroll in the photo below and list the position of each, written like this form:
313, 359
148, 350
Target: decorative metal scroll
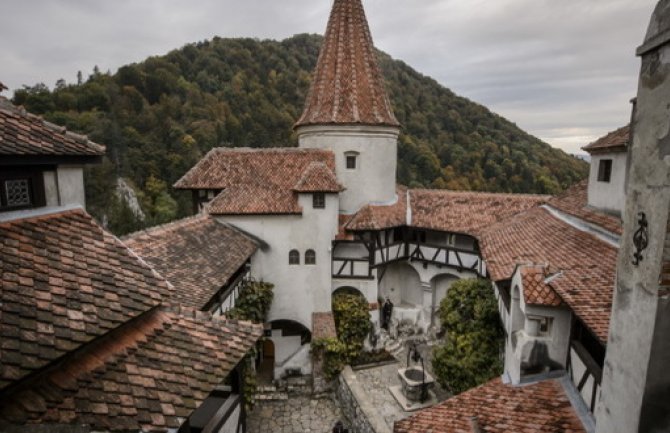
641, 238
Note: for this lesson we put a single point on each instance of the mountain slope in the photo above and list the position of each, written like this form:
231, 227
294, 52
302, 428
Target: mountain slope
160, 116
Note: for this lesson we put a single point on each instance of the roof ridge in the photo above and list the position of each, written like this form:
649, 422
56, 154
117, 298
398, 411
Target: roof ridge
507, 194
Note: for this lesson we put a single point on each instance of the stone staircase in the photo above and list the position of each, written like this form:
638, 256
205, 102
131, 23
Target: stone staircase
283, 389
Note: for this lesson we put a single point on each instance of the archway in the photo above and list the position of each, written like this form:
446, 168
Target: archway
290, 347
265, 369
402, 285
348, 290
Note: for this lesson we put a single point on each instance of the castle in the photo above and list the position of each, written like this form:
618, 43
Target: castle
324, 217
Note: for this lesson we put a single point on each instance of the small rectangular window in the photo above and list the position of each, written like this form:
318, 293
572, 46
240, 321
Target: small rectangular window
319, 200
351, 162
17, 192
605, 170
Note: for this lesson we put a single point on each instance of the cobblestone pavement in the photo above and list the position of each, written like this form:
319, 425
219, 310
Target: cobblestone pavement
295, 415
376, 382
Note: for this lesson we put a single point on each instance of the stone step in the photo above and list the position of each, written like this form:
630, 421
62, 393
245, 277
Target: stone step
275, 396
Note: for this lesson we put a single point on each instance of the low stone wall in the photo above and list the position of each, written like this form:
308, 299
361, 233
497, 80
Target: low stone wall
356, 405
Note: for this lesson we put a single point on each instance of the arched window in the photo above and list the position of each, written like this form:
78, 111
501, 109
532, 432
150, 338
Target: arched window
310, 257
294, 257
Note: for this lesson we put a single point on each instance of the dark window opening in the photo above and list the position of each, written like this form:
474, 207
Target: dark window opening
319, 200
589, 341
21, 189
605, 170
294, 257
310, 257
351, 162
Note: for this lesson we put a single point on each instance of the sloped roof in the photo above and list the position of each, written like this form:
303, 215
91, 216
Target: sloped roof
347, 85
444, 210
257, 181
199, 255
318, 177
615, 141
65, 282
24, 134
376, 217
586, 264
466, 212
536, 290
541, 407
574, 201
148, 377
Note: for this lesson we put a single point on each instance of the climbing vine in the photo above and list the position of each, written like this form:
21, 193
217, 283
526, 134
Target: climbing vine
352, 322
253, 304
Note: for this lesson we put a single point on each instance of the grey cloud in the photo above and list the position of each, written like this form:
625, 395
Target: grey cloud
563, 70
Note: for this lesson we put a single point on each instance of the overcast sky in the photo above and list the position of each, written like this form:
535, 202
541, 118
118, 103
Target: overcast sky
564, 70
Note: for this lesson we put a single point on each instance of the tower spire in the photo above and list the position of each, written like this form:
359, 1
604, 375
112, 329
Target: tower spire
347, 87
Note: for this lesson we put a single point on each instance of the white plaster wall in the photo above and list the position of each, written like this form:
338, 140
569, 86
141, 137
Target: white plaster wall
374, 179
232, 424
368, 288
302, 289
578, 369
51, 188
558, 342
70, 181
610, 196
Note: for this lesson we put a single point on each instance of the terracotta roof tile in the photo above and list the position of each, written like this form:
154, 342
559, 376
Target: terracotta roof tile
376, 217
147, 378
616, 141
24, 134
257, 181
574, 201
199, 255
65, 282
541, 407
466, 212
536, 290
318, 177
347, 86
587, 264
323, 325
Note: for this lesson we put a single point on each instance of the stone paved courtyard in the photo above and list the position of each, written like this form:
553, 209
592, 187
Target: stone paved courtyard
295, 415
376, 382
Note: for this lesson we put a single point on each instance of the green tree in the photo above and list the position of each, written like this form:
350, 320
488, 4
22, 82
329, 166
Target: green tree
470, 354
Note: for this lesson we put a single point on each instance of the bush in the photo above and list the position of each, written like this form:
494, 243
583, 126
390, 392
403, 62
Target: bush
470, 354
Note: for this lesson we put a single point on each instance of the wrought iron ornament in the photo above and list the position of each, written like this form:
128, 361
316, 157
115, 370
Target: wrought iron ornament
641, 238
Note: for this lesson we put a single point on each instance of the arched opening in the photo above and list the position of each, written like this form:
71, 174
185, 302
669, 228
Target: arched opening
310, 257
288, 343
267, 362
294, 257
348, 290
402, 285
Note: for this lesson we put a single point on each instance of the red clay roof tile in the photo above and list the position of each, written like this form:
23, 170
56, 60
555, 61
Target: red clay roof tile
257, 181
574, 201
198, 254
541, 407
347, 86
24, 134
536, 291
318, 177
149, 376
586, 264
615, 141
65, 282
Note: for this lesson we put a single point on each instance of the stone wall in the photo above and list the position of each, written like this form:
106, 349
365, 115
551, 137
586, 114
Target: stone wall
356, 406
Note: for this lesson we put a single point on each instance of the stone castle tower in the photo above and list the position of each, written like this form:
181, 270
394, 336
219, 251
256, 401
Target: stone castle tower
348, 111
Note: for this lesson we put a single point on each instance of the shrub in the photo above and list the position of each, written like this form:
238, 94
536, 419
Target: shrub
470, 353
254, 302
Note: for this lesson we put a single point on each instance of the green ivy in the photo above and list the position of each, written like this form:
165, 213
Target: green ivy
254, 302
352, 322
470, 353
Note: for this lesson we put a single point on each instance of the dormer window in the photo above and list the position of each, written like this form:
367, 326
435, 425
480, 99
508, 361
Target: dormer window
352, 160
319, 200
605, 170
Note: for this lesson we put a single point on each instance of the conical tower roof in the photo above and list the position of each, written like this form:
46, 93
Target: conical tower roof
347, 87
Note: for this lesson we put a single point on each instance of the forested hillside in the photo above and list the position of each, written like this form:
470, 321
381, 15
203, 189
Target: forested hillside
158, 117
